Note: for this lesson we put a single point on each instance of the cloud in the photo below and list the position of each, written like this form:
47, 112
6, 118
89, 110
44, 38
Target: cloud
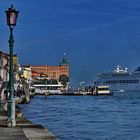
75, 32
101, 26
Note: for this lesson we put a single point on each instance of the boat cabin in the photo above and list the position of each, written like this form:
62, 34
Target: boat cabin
101, 90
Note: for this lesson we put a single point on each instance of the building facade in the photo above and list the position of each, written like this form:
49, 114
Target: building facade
4, 65
26, 73
52, 72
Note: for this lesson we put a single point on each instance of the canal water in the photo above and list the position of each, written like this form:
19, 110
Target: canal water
114, 117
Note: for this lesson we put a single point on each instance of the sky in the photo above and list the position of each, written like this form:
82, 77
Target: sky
97, 35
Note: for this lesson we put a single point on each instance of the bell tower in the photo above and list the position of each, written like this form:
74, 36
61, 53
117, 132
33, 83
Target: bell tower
64, 61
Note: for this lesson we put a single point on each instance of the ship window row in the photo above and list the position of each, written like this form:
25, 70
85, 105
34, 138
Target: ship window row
121, 81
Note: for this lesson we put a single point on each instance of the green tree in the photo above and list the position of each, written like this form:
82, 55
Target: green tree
39, 81
64, 79
52, 81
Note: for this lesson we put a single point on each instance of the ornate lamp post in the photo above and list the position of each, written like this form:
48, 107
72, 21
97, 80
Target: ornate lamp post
11, 15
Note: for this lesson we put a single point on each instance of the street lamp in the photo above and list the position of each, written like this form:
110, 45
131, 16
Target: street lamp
11, 15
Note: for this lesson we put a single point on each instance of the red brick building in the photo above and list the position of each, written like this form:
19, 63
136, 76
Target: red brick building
52, 72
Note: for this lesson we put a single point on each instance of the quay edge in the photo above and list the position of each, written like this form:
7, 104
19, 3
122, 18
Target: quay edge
24, 130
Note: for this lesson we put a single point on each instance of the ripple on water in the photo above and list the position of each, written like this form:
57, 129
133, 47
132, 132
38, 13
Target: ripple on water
87, 117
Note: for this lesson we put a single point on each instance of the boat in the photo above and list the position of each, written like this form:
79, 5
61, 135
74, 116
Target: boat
48, 89
101, 90
120, 80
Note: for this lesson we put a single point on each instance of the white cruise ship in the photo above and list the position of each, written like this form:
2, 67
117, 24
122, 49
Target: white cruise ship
120, 79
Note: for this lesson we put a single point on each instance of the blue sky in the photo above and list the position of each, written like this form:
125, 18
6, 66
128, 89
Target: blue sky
97, 34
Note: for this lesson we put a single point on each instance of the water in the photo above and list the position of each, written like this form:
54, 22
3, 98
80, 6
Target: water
114, 117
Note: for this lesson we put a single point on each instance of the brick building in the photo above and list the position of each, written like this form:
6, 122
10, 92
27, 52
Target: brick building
52, 72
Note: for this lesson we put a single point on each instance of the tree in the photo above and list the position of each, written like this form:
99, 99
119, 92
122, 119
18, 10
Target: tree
64, 79
52, 82
39, 81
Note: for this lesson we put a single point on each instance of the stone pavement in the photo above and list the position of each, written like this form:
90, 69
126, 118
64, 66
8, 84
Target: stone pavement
24, 130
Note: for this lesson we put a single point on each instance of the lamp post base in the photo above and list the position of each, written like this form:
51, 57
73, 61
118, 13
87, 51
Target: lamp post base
11, 122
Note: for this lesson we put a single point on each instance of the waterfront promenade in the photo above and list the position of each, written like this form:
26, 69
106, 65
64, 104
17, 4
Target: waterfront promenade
24, 130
